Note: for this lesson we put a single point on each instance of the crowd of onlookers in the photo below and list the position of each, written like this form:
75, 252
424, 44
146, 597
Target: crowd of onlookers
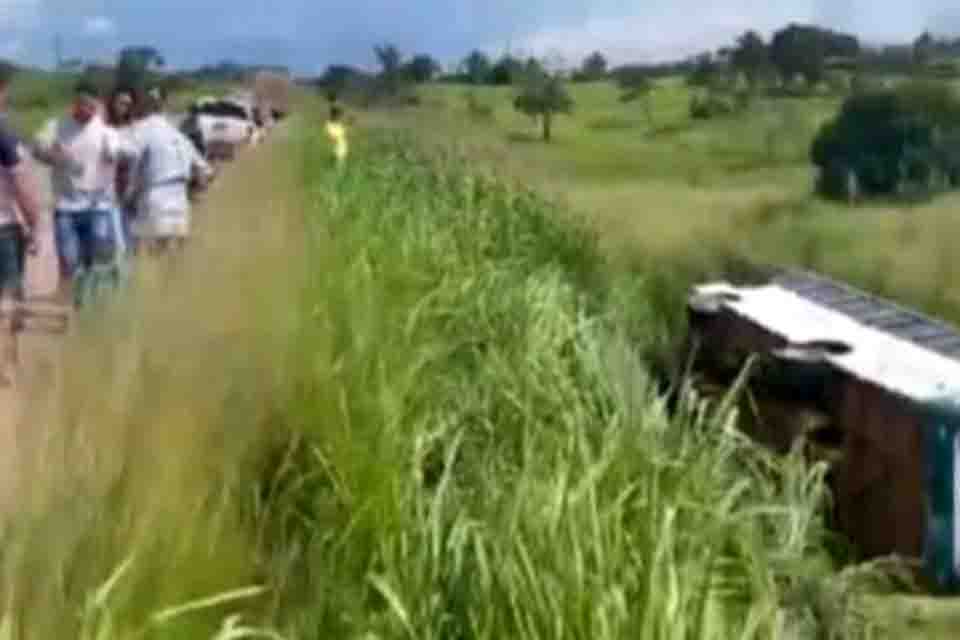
122, 177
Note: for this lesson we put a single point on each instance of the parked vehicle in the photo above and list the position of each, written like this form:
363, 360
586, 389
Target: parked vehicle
219, 127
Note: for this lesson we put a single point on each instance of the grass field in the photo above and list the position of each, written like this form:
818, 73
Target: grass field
689, 191
414, 399
417, 414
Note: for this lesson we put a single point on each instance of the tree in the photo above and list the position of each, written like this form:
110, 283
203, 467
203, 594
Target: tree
923, 49
543, 96
338, 79
134, 65
391, 67
750, 56
636, 85
803, 50
534, 67
883, 141
594, 67
476, 67
798, 50
507, 71
704, 69
422, 68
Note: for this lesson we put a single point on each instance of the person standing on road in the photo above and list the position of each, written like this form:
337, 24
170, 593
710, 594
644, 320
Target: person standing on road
337, 132
120, 116
20, 204
167, 163
83, 152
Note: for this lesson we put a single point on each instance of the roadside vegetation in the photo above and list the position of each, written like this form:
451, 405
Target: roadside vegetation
426, 412
422, 398
718, 156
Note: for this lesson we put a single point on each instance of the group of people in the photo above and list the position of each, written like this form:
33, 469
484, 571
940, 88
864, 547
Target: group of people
121, 177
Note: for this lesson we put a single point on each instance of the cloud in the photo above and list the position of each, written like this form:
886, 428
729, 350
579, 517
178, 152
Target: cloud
98, 26
661, 32
307, 34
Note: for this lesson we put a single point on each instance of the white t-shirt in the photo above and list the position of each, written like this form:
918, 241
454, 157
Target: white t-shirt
166, 160
88, 181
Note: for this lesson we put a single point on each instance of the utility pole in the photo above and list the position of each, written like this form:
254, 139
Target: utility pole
58, 51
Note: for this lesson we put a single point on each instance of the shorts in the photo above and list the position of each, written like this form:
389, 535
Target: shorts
12, 262
84, 239
166, 223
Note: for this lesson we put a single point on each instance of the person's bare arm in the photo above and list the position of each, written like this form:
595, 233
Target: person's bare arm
51, 155
47, 149
200, 169
26, 190
22, 179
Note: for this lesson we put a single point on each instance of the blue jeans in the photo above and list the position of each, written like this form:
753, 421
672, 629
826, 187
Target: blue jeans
12, 261
84, 239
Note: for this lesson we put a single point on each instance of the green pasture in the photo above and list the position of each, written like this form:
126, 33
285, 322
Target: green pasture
696, 190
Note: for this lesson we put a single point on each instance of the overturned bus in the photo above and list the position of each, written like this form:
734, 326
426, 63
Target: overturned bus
874, 385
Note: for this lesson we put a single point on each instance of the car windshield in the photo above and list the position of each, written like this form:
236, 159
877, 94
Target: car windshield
223, 109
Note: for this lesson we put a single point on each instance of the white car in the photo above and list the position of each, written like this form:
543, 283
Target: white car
222, 126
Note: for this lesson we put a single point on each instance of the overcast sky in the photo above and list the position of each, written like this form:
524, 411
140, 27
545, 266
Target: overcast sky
309, 34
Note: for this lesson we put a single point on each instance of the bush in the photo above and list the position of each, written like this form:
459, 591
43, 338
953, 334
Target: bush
947, 70
863, 83
892, 141
711, 106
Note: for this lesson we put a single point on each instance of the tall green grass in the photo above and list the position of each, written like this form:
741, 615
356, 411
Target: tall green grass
498, 458
400, 401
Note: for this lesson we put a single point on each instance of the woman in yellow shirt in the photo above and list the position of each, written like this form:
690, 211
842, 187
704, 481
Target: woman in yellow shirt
337, 132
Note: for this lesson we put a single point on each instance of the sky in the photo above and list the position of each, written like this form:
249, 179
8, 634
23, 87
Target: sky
307, 35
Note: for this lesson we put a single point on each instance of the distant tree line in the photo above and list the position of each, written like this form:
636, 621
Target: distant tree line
478, 68
794, 57
794, 61
230, 71
391, 83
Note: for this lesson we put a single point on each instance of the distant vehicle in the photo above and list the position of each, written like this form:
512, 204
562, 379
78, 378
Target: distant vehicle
272, 94
218, 127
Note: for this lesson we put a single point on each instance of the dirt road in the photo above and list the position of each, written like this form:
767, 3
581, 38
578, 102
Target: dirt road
39, 343
45, 322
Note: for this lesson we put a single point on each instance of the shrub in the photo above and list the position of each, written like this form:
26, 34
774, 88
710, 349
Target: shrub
891, 141
946, 70
710, 106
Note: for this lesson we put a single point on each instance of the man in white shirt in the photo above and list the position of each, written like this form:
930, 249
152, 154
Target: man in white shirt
167, 162
84, 153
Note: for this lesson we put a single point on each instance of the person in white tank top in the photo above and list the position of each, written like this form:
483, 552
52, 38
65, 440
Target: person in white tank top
166, 162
